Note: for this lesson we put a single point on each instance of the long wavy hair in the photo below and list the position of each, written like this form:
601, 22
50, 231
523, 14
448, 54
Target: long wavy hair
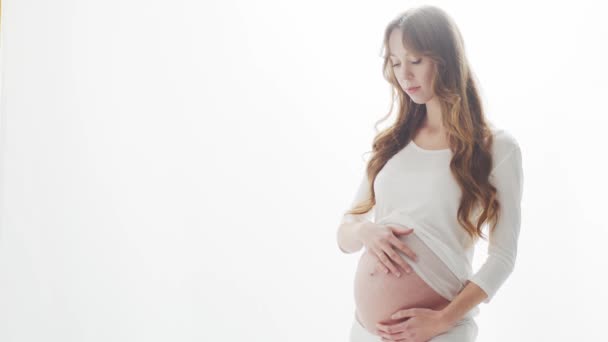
428, 31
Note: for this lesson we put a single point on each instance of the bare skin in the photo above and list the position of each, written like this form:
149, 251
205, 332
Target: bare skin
378, 295
415, 70
429, 140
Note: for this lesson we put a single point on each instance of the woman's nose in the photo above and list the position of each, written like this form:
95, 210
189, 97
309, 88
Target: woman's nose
406, 74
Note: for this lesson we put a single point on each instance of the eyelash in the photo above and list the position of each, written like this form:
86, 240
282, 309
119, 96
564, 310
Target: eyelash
417, 62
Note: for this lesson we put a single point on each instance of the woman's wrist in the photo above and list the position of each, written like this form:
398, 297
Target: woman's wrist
448, 317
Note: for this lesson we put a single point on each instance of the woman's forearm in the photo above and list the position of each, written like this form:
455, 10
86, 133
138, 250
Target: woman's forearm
348, 240
470, 296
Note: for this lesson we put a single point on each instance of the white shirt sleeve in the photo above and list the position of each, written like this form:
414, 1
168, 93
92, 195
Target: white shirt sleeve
362, 193
507, 177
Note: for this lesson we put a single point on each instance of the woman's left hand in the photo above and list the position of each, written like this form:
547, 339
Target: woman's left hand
422, 325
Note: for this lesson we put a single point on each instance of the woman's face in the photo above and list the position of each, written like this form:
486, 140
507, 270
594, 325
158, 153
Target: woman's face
410, 70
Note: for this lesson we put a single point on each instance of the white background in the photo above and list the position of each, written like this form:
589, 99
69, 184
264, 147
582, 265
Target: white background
176, 171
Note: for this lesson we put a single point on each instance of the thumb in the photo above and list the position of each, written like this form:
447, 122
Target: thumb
399, 230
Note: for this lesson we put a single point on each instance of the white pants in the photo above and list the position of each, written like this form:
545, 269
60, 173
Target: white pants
464, 331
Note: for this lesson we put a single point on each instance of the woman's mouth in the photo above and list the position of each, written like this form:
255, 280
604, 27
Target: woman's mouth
412, 89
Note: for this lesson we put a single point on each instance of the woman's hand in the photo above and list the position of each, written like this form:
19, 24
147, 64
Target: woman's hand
422, 325
380, 239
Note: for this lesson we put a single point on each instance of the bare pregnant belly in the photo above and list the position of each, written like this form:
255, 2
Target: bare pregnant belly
378, 295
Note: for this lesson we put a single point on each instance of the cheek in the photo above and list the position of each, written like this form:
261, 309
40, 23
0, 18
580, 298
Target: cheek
428, 77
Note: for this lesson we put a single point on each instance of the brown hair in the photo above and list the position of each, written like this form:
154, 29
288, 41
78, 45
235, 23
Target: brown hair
428, 31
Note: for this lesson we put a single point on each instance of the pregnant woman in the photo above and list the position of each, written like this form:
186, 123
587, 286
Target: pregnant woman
437, 176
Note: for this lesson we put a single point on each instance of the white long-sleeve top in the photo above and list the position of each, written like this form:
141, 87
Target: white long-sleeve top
419, 182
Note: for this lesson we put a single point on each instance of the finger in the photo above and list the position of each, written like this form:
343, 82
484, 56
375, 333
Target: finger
386, 338
398, 338
385, 260
401, 231
393, 329
391, 337
401, 336
380, 267
403, 247
406, 313
397, 259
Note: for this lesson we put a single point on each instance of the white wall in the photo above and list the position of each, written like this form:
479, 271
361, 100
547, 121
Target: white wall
176, 171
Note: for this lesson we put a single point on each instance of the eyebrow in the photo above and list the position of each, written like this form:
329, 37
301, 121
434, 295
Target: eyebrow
398, 56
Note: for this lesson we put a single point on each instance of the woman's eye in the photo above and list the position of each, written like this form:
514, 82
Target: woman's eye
416, 62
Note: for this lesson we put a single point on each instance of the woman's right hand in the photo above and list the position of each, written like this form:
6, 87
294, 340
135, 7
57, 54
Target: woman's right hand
379, 239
